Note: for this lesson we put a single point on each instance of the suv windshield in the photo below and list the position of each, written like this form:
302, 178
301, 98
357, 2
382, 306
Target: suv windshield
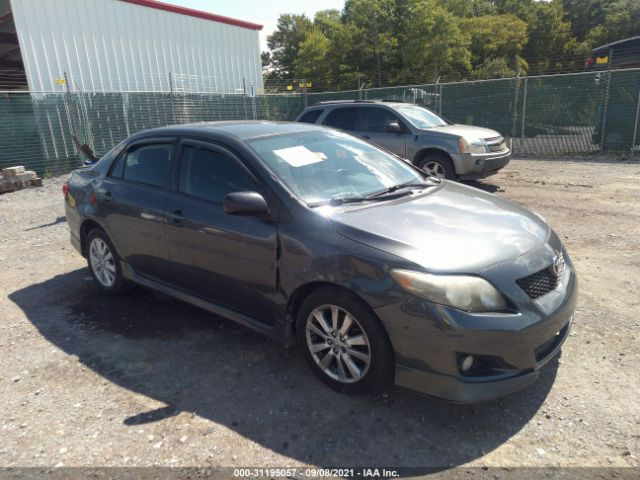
325, 165
420, 116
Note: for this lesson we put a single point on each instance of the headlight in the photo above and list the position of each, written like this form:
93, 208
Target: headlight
464, 292
473, 147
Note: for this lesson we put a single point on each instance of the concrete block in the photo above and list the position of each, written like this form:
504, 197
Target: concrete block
36, 182
12, 171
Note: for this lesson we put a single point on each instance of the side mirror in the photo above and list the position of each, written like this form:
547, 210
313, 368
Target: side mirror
394, 127
245, 203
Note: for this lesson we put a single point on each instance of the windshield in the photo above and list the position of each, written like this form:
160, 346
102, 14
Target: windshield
325, 165
420, 116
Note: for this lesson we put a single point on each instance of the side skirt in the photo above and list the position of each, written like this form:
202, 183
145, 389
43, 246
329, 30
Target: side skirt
266, 329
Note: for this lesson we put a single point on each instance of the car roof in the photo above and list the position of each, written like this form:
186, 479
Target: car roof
238, 130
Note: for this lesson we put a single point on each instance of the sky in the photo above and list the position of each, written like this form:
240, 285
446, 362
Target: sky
263, 12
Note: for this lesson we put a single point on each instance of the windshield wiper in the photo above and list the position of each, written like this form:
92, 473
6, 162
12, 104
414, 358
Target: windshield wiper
334, 202
400, 186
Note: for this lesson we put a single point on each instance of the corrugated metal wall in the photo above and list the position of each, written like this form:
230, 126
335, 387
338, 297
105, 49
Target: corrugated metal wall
110, 45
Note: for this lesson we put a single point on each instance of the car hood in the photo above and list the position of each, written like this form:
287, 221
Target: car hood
469, 132
454, 228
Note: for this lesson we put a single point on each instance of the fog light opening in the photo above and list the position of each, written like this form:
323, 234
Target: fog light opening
467, 363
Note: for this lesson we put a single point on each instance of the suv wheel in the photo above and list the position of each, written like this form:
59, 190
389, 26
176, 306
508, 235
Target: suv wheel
437, 164
104, 263
344, 343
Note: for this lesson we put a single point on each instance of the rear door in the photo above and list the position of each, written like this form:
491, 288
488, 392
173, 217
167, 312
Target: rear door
343, 118
132, 200
227, 259
373, 126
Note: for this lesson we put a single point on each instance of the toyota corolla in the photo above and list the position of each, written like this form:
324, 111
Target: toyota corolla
381, 272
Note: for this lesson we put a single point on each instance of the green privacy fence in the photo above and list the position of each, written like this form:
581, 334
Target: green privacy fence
548, 115
37, 130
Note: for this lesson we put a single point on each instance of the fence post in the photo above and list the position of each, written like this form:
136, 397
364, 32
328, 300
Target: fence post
173, 101
514, 119
244, 98
635, 128
304, 93
67, 105
524, 106
605, 107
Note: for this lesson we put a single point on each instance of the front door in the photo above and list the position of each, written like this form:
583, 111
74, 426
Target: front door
373, 126
226, 259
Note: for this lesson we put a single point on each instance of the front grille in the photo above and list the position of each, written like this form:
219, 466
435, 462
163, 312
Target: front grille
542, 282
498, 147
495, 144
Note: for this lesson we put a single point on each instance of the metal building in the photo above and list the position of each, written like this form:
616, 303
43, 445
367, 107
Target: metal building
125, 46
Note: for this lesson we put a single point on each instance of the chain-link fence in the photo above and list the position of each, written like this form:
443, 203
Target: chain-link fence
546, 115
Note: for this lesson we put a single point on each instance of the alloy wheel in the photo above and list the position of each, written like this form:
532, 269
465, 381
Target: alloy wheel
338, 343
102, 262
434, 168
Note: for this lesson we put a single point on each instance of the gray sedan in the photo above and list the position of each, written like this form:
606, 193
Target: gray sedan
411, 131
379, 271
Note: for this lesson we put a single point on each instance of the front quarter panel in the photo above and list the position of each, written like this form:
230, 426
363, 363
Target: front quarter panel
313, 252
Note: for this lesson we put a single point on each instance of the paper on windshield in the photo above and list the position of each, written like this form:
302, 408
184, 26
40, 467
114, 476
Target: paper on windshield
299, 156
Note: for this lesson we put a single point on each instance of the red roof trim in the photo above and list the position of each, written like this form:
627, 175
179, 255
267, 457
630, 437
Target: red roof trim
195, 13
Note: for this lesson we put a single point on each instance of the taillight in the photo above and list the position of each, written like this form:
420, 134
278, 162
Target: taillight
65, 188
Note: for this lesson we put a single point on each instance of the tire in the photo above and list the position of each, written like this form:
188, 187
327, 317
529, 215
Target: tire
358, 362
437, 164
104, 263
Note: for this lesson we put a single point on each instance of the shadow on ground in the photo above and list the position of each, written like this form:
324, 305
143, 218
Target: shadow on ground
487, 187
195, 362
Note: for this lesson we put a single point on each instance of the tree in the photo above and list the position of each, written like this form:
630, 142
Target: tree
470, 8
494, 37
583, 15
434, 45
493, 68
372, 23
341, 61
310, 62
622, 20
285, 41
551, 45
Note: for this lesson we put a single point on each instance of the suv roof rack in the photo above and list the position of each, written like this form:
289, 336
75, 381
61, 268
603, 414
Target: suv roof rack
333, 102
329, 102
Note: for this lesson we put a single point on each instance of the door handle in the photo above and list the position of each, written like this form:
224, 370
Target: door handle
176, 216
366, 137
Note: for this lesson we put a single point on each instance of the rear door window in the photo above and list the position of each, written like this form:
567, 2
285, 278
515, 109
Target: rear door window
311, 116
147, 164
343, 118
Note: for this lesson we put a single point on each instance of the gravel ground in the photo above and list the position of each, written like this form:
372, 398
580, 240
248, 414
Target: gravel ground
90, 380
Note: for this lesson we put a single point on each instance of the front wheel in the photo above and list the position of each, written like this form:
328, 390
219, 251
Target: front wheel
437, 164
344, 343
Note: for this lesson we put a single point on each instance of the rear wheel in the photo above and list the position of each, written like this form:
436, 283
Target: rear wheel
104, 263
437, 164
344, 343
